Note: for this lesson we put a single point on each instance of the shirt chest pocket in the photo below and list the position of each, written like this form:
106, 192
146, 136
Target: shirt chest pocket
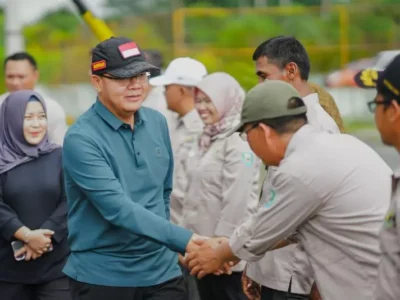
158, 158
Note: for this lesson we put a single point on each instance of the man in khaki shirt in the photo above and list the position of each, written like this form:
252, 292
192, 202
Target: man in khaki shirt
325, 196
386, 107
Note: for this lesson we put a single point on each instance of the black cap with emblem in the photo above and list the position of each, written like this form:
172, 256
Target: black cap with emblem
388, 83
369, 78
119, 57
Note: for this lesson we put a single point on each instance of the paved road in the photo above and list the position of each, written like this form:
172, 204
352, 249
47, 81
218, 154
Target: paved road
389, 154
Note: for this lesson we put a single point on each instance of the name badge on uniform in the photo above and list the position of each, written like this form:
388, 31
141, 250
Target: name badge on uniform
271, 200
248, 158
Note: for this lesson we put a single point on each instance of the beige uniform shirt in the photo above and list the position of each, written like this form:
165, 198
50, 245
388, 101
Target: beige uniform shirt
185, 132
278, 267
333, 191
389, 268
56, 119
223, 188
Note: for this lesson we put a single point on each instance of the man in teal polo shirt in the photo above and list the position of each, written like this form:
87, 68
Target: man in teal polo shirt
118, 168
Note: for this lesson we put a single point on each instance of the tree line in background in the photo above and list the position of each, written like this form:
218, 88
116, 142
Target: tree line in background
61, 42
140, 6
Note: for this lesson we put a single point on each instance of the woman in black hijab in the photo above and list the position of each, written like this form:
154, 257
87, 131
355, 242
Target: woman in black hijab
33, 209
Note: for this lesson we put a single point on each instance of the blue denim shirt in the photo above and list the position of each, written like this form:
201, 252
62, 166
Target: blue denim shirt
118, 183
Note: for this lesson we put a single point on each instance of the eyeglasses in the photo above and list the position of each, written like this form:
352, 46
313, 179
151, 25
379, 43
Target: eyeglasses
244, 133
139, 78
374, 103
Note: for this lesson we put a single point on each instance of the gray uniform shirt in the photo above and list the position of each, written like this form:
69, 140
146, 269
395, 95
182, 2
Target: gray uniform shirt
185, 133
333, 190
290, 264
389, 268
223, 188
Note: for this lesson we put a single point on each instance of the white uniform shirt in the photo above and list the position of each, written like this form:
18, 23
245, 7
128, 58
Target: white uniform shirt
56, 119
334, 191
183, 136
278, 267
389, 268
317, 116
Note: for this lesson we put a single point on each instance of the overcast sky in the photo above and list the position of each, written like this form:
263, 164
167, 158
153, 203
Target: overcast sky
31, 10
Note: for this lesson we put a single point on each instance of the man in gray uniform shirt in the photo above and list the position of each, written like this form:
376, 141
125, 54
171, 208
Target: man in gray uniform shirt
386, 107
284, 58
329, 194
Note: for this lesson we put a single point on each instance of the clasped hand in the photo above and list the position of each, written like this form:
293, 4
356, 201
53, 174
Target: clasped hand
202, 257
39, 242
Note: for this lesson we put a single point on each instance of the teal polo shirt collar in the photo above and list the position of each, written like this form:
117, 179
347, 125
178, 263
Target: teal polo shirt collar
112, 120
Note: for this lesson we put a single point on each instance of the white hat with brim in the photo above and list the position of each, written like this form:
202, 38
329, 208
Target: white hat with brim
182, 71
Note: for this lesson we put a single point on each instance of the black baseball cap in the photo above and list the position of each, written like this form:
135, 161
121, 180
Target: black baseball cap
368, 78
119, 57
388, 83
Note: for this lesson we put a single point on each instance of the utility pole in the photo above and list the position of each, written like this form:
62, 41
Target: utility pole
15, 41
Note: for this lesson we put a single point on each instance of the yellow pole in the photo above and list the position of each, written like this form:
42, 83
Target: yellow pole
178, 31
98, 26
344, 35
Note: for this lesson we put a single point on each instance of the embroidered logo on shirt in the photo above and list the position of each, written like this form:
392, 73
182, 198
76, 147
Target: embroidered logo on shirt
390, 219
158, 151
248, 158
271, 200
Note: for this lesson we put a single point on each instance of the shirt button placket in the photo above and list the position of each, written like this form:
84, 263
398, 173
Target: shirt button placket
138, 155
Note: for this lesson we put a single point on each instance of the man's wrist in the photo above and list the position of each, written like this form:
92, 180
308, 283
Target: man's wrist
225, 253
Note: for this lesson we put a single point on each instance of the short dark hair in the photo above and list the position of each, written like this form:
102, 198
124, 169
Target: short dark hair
154, 57
288, 124
282, 50
22, 56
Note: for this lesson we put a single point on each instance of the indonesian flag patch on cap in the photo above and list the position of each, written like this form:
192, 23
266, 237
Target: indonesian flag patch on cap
128, 50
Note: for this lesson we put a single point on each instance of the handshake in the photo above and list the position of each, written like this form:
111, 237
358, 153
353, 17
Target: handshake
208, 256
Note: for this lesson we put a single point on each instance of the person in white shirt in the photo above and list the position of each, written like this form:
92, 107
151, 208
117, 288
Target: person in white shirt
21, 73
179, 81
286, 273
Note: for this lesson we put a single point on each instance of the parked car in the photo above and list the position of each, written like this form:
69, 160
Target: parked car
345, 76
